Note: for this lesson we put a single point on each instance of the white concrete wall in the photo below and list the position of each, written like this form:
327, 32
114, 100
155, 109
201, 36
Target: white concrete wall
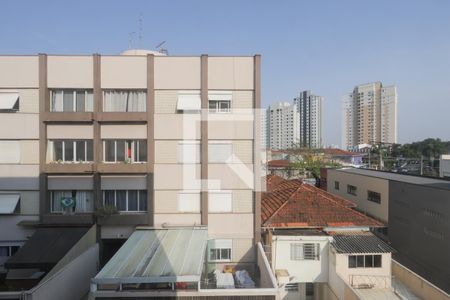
19, 71
363, 184
72, 282
381, 277
301, 270
70, 72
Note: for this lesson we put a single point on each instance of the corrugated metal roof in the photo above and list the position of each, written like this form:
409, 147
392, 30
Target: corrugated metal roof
360, 243
157, 255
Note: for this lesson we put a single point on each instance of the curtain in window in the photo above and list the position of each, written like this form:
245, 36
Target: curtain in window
57, 101
56, 199
85, 201
89, 105
124, 101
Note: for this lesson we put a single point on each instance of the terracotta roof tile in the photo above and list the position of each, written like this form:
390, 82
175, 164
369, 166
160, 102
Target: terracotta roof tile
292, 203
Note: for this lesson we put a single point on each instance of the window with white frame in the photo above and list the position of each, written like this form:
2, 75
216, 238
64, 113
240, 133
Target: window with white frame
83, 201
189, 152
219, 152
8, 250
70, 151
305, 251
219, 102
128, 151
189, 201
219, 250
71, 100
124, 101
220, 201
126, 200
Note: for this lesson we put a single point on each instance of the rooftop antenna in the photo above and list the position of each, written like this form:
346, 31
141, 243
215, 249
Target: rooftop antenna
140, 30
160, 49
131, 39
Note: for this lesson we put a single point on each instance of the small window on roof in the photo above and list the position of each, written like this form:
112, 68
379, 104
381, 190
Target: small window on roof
9, 101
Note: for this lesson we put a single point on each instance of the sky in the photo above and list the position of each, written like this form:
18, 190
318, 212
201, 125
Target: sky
327, 46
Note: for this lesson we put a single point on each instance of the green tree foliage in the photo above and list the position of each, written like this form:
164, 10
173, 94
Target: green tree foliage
430, 148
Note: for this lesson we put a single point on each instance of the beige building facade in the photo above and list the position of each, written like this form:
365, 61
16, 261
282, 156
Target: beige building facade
369, 115
128, 140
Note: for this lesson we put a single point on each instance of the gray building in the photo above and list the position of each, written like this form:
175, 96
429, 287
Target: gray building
416, 211
310, 111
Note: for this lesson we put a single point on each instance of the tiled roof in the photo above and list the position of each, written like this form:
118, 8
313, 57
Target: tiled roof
359, 243
273, 181
294, 204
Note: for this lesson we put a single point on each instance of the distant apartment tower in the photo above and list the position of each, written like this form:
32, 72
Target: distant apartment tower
370, 115
283, 127
263, 129
309, 107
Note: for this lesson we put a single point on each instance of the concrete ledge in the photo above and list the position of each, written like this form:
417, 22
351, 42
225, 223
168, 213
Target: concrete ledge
69, 168
125, 219
78, 219
68, 117
122, 168
122, 117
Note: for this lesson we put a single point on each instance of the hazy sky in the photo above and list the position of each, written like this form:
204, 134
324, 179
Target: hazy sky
326, 46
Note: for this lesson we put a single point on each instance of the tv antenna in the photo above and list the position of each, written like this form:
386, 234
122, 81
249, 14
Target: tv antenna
161, 49
131, 39
140, 30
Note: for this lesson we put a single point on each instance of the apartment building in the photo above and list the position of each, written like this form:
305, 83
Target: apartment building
369, 115
415, 210
283, 126
133, 139
310, 112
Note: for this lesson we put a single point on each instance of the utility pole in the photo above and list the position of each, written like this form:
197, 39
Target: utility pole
421, 165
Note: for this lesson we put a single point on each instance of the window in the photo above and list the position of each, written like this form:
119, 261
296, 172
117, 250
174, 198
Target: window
305, 251
351, 189
9, 101
364, 261
8, 250
71, 100
219, 250
220, 201
336, 185
124, 101
219, 102
291, 287
71, 201
189, 152
129, 151
219, 152
309, 289
126, 200
189, 202
71, 150
374, 196
189, 101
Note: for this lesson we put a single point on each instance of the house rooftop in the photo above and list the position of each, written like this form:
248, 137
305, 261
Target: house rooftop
293, 204
358, 242
418, 180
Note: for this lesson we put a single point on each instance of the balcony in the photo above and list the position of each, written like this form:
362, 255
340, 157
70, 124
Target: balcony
82, 167
122, 167
68, 116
